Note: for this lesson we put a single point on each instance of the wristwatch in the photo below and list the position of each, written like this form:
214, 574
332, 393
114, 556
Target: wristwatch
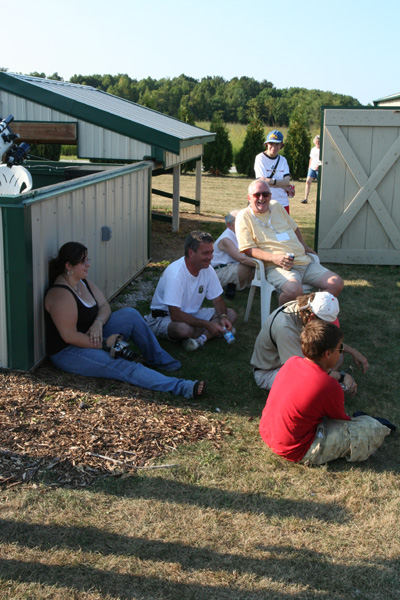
342, 376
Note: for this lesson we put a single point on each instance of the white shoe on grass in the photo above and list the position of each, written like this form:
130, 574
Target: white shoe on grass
190, 344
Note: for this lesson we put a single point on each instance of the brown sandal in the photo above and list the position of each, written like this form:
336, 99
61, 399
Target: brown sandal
199, 393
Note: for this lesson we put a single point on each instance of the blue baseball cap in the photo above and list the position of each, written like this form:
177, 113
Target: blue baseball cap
274, 137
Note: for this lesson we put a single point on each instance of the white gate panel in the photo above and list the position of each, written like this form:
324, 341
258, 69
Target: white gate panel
359, 197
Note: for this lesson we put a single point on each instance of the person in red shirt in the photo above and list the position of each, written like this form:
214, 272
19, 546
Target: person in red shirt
304, 419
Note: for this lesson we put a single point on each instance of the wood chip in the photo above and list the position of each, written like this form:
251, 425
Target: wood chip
43, 428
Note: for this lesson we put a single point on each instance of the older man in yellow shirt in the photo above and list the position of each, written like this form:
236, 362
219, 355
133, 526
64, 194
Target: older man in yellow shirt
266, 232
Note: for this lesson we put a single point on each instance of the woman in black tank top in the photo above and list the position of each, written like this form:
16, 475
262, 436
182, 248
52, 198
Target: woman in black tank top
80, 330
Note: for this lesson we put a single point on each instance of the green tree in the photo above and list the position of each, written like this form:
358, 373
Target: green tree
297, 144
253, 144
218, 155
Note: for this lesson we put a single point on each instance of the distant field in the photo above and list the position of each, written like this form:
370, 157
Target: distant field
237, 132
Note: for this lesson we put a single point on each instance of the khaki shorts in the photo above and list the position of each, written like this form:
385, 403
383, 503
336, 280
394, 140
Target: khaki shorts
302, 274
353, 440
265, 379
229, 274
159, 325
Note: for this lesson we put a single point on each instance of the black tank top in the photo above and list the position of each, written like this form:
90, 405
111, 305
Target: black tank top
86, 316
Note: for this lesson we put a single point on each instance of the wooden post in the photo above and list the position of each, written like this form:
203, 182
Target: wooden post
198, 185
175, 197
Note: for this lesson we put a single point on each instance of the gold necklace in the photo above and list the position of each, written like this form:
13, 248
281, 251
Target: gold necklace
77, 290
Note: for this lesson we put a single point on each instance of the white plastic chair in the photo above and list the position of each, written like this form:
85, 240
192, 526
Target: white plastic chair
266, 290
12, 180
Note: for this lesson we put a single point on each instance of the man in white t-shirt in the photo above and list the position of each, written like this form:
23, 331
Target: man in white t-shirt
231, 266
274, 168
313, 166
176, 312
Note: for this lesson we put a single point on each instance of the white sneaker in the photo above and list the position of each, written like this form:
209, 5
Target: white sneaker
190, 344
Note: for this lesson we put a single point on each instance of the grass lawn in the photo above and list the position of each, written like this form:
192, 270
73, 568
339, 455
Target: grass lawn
232, 520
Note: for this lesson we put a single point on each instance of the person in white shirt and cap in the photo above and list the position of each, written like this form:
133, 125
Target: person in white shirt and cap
279, 339
274, 168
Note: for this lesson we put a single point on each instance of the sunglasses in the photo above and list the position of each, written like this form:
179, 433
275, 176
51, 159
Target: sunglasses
341, 347
263, 194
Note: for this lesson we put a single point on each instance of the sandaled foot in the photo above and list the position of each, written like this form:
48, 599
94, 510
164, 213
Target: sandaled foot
199, 389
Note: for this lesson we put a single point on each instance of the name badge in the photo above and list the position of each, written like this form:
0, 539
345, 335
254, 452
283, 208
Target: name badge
282, 237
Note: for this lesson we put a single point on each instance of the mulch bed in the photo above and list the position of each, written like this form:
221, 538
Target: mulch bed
52, 424
71, 430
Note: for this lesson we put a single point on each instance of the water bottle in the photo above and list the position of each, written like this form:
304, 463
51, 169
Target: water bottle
229, 337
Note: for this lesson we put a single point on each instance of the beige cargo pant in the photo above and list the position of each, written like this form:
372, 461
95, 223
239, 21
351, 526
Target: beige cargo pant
353, 440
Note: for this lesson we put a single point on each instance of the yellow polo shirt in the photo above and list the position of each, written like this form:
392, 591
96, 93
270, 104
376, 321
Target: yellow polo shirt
273, 231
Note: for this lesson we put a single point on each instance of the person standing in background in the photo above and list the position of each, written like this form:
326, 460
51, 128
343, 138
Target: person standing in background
313, 165
274, 168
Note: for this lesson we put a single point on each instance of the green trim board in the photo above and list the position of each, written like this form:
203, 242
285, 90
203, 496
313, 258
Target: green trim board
22, 87
18, 285
149, 184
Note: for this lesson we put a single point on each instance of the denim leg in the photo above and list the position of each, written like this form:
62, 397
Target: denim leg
131, 324
98, 363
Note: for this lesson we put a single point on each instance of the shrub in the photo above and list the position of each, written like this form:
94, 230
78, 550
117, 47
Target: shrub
218, 155
45, 151
297, 145
253, 144
69, 150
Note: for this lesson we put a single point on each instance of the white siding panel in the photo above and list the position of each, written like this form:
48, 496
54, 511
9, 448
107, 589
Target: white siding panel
395, 102
185, 154
25, 110
96, 142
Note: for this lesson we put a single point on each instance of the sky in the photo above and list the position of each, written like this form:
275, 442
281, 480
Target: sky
345, 46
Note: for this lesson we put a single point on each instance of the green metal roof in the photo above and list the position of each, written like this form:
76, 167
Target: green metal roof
105, 110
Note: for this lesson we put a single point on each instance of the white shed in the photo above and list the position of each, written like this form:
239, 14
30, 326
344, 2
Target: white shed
102, 125
108, 207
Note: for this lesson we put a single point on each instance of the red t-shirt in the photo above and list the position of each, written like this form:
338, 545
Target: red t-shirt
301, 395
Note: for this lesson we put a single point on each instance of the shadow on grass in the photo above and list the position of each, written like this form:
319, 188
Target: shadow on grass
319, 572
180, 493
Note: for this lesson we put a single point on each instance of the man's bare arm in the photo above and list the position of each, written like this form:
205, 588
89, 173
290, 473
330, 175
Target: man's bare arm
229, 247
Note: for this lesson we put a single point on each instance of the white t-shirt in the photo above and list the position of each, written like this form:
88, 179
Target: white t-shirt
178, 287
263, 167
220, 257
314, 155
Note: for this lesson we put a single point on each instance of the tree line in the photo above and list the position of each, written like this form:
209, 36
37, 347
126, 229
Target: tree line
237, 100
215, 99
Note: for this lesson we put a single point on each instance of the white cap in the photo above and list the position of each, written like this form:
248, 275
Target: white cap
325, 306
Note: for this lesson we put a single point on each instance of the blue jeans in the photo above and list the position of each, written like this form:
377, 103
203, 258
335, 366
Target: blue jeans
93, 362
